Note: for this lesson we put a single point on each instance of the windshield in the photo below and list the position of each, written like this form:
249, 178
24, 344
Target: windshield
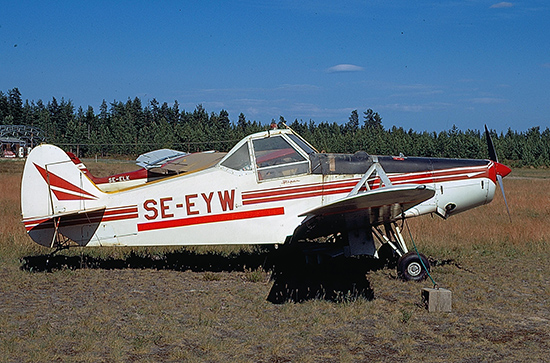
276, 157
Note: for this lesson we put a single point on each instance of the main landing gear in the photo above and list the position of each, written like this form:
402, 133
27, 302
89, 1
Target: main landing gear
411, 265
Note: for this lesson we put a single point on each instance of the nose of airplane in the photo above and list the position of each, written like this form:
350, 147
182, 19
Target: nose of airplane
502, 169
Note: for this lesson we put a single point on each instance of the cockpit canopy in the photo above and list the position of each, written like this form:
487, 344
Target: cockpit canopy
272, 154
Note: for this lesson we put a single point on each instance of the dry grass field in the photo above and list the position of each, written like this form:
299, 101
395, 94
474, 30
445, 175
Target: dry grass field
212, 305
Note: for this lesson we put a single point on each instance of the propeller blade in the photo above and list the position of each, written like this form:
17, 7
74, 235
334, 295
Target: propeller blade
501, 184
493, 157
490, 146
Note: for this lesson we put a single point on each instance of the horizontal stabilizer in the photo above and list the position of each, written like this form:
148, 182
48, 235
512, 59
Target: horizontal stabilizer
78, 226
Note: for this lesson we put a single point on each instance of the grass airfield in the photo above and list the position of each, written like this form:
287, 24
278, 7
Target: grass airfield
243, 304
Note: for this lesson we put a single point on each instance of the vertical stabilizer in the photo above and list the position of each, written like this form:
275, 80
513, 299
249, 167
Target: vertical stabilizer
53, 188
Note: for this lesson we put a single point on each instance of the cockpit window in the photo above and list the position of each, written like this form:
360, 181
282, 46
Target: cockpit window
274, 151
239, 160
276, 157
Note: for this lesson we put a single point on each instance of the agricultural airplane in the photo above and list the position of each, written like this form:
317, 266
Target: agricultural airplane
273, 187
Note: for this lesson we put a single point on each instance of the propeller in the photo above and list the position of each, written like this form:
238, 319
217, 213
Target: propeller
501, 170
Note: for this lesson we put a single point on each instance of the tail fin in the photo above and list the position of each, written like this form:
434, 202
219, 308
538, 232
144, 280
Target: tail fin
54, 188
79, 164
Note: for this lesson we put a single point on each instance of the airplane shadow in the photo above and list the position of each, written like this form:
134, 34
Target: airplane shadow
336, 279
181, 260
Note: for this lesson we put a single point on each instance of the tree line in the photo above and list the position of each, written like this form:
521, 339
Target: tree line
132, 128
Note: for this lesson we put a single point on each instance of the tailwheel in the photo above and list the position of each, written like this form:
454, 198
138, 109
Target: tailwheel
413, 267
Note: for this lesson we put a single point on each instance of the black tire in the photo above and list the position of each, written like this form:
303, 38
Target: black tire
410, 268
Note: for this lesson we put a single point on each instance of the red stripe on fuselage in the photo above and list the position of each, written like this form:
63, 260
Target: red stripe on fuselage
297, 196
150, 226
345, 186
301, 189
307, 191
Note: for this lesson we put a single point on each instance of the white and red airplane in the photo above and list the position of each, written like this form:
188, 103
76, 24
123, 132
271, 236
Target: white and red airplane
272, 188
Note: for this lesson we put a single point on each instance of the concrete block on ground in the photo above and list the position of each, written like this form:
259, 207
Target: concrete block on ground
437, 299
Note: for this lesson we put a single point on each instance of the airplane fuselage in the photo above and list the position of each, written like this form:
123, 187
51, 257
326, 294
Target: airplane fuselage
256, 195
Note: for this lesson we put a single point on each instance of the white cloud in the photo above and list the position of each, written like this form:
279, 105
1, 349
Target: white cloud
503, 4
345, 68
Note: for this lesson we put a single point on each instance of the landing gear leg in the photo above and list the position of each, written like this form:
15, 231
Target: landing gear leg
393, 250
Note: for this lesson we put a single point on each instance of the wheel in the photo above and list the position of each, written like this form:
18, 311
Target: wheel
410, 268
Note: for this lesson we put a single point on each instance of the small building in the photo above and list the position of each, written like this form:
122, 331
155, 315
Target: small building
16, 141
13, 147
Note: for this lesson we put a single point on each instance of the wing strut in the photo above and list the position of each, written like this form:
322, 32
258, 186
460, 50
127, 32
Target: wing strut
375, 167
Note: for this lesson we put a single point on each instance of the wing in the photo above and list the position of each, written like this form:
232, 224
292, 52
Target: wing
405, 196
372, 207
155, 159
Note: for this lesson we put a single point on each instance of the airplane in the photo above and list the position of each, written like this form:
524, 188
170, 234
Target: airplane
272, 188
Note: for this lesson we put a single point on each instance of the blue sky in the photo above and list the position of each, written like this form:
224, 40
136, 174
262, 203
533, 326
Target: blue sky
424, 65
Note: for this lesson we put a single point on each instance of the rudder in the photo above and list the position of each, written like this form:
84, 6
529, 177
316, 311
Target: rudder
53, 186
